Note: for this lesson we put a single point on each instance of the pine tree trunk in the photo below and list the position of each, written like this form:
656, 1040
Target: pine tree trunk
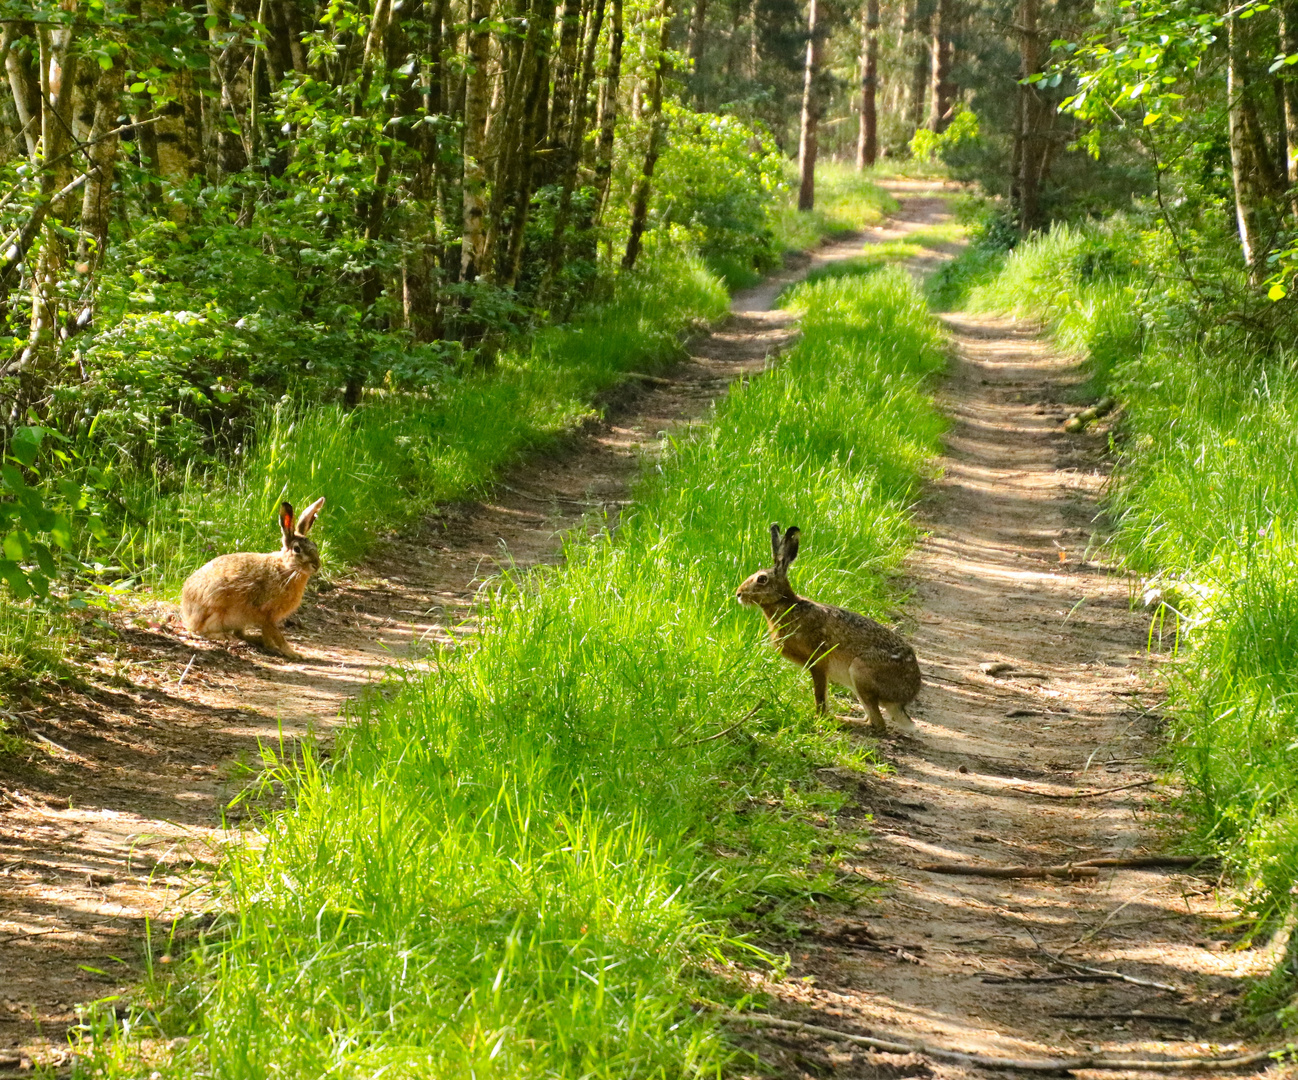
917, 27
1029, 110
807, 139
640, 195
867, 145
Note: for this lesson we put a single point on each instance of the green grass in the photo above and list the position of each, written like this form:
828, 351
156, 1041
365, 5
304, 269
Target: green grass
1205, 501
535, 861
846, 200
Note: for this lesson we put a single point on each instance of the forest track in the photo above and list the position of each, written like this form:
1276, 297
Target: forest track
118, 821
1012, 573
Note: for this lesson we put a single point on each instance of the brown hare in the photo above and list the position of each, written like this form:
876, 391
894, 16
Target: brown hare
235, 592
835, 645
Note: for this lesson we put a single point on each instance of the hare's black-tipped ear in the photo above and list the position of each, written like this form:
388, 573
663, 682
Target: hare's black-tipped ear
790, 546
307, 519
775, 541
286, 520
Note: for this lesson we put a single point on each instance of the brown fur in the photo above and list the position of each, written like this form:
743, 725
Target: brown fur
833, 644
234, 593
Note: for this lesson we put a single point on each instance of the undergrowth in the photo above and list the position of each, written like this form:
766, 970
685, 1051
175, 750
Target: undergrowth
544, 857
1205, 501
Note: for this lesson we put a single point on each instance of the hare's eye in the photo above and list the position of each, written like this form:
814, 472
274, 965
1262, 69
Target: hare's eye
762, 579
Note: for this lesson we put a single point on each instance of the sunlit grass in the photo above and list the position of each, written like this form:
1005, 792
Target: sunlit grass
536, 861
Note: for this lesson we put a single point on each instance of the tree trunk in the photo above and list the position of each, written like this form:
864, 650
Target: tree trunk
1289, 89
867, 145
473, 235
694, 48
918, 21
807, 144
1245, 169
102, 152
940, 63
577, 135
1029, 109
640, 196
608, 116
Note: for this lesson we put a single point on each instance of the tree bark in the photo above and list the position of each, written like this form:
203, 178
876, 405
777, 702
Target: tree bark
694, 48
867, 145
473, 251
1289, 91
917, 26
940, 65
640, 195
1029, 109
608, 115
102, 150
807, 139
1245, 169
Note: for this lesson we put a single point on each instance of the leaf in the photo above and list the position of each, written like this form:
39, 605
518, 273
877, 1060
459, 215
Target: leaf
137, 87
61, 531
1277, 292
45, 559
27, 444
17, 545
13, 574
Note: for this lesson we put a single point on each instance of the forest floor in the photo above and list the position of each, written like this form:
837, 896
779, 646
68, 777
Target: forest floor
112, 830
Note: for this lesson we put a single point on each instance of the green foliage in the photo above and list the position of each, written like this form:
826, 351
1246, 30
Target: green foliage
929, 147
525, 862
715, 189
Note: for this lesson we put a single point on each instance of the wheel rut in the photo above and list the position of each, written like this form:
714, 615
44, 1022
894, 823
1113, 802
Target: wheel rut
1039, 686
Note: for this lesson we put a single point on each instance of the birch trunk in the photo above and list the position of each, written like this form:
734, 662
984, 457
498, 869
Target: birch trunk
473, 249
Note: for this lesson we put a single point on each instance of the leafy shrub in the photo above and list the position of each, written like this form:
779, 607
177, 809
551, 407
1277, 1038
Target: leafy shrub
715, 187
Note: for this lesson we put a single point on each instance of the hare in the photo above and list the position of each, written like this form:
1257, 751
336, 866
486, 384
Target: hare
234, 592
834, 644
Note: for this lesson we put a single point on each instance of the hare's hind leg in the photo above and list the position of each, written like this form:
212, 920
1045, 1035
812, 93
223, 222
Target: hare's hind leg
819, 686
272, 638
897, 713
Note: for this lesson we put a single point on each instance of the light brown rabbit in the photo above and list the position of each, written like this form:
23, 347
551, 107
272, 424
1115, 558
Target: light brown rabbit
235, 592
835, 645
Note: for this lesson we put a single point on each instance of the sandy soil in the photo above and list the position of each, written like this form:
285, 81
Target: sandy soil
118, 815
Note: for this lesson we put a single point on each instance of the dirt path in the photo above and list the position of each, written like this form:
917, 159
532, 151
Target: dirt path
1008, 575
118, 817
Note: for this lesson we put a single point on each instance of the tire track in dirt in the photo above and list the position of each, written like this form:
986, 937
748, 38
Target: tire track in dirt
122, 821
1012, 574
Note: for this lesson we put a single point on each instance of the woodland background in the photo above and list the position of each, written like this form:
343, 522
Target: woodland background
380, 249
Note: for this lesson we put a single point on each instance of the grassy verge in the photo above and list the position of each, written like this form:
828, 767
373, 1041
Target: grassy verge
538, 860
1205, 502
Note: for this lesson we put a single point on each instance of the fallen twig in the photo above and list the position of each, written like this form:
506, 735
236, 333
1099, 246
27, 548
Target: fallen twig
1046, 1065
181, 681
1069, 870
1087, 794
1072, 977
1132, 979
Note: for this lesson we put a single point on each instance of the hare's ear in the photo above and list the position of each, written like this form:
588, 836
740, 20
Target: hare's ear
789, 550
775, 542
286, 521
307, 519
